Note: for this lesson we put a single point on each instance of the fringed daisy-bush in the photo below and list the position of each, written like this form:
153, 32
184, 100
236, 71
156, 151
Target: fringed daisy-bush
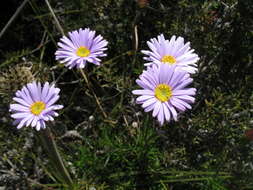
164, 91
80, 47
35, 105
171, 52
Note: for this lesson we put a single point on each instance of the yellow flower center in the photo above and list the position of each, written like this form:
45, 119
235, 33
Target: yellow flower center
37, 107
168, 59
82, 51
163, 92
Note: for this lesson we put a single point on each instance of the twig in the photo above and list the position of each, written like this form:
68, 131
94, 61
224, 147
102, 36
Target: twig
93, 93
71, 82
36, 183
125, 120
55, 18
13, 17
135, 36
36, 11
60, 12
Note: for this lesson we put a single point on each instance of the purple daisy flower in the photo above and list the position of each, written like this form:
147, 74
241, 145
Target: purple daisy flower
35, 105
82, 46
171, 52
164, 91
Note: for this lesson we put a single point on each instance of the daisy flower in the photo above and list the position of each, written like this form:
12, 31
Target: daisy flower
164, 91
35, 105
171, 52
80, 47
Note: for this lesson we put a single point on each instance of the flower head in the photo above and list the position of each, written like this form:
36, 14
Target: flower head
164, 91
171, 52
82, 46
35, 105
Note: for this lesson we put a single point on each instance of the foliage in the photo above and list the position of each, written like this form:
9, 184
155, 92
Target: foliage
206, 149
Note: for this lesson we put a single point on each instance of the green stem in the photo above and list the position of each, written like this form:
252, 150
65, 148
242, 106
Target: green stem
53, 153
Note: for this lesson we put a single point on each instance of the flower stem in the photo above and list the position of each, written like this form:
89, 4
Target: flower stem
93, 93
53, 153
